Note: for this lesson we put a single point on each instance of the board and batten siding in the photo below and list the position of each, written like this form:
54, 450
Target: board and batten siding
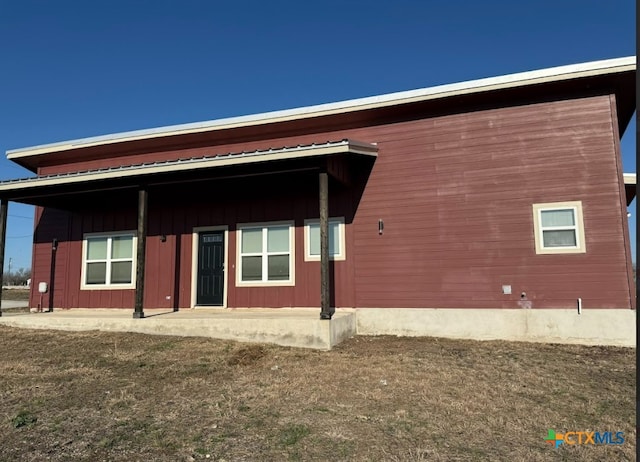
43, 267
455, 193
168, 277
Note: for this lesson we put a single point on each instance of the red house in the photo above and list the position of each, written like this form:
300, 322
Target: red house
494, 208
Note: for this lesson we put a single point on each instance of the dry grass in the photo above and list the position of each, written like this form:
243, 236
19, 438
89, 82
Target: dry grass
15, 294
105, 396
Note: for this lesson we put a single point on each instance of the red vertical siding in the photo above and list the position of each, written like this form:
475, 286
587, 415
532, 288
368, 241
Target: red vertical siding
49, 265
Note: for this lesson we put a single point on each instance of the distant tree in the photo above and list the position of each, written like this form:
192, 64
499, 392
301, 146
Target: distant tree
17, 278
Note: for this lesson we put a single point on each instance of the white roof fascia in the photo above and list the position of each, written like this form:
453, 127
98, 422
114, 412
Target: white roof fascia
574, 71
629, 178
247, 157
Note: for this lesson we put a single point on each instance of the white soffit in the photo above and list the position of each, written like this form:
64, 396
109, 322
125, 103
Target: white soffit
574, 71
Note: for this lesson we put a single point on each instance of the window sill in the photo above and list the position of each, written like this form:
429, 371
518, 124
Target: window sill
266, 284
331, 258
559, 251
108, 287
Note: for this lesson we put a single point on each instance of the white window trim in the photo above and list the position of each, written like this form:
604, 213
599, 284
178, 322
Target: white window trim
292, 259
580, 246
307, 239
132, 284
195, 247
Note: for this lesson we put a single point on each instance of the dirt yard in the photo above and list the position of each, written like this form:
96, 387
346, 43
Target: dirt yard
123, 397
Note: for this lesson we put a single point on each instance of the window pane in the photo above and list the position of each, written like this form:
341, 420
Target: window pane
252, 240
252, 268
278, 267
334, 239
314, 239
559, 238
121, 272
278, 239
122, 247
96, 273
96, 248
558, 218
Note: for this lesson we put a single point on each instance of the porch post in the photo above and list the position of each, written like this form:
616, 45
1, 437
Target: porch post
138, 312
325, 309
4, 208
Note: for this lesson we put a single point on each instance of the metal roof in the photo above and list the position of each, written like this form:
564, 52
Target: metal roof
574, 71
194, 163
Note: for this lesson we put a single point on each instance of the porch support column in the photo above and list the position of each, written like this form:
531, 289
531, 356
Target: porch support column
4, 208
138, 312
325, 309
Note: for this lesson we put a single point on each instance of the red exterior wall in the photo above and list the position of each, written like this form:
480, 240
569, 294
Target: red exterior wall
464, 225
174, 256
455, 193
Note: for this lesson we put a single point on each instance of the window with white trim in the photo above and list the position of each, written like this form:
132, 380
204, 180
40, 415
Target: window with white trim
108, 261
559, 227
336, 239
265, 254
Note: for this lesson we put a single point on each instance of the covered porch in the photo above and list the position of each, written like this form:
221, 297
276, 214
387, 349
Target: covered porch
134, 187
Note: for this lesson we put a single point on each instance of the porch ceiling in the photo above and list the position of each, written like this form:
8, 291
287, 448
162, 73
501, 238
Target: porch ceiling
54, 190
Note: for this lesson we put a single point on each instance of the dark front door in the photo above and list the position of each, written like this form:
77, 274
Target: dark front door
210, 268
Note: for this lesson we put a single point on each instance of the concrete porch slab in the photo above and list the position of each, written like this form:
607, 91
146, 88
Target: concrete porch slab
296, 327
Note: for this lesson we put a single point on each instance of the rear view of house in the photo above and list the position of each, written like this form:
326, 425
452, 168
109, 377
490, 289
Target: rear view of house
494, 208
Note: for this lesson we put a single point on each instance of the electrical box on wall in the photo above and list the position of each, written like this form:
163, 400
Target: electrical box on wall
42, 287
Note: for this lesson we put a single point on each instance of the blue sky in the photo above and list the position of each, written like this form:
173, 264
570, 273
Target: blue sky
73, 69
